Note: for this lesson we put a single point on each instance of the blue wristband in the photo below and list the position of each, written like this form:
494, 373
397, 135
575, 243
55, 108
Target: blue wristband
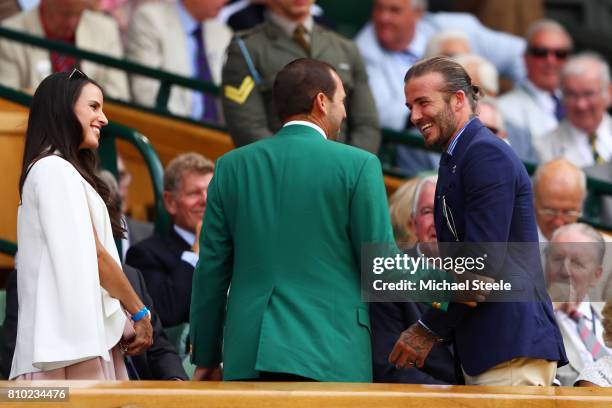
140, 314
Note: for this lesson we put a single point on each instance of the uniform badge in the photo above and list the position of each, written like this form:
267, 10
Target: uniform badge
239, 95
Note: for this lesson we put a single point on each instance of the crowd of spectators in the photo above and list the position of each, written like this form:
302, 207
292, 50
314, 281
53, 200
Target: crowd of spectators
555, 115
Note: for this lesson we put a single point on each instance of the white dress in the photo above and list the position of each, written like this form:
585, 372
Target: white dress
65, 316
599, 373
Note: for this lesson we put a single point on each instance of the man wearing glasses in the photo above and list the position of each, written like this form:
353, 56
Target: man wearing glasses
536, 106
559, 190
585, 136
483, 195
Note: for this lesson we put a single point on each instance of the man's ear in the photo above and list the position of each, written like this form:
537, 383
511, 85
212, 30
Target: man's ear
459, 102
320, 103
169, 202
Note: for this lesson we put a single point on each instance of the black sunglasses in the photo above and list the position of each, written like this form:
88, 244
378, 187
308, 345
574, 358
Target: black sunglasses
542, 52
77, 74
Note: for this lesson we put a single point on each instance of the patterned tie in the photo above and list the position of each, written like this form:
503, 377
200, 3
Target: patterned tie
211, 112
593, 142
299, 36
559, 109
588, 337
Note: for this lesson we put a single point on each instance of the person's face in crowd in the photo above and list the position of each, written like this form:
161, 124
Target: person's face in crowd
454, 46
586, 99
489, 116
62, 16
557, 202
336, 110
186, 206
431, 108
572, 266
546, 54
125, 179
395, 23
202, 10
294, 10
423, 223
88, 110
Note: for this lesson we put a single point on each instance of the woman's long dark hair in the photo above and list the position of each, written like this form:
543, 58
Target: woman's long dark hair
54, 127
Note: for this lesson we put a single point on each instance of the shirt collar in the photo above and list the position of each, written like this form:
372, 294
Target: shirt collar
188, 236
418, 44
453, 144
306, 123
188, 23
288, 26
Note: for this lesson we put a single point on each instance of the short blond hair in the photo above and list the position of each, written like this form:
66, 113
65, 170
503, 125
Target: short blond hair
184, 164
403, 207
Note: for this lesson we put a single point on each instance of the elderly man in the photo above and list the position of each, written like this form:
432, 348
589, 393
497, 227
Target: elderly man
70, 21
389, 319
573, 267
184, 38
167, 261
559, 192
255, 57
535, 106
396, 38
585, 136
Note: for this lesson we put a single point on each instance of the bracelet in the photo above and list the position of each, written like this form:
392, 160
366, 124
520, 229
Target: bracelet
140, 314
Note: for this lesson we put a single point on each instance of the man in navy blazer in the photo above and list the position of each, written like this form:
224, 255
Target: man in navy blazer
483, 196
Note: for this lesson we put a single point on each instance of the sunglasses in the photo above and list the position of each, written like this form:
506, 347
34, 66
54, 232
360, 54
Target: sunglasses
542, 52
77, 74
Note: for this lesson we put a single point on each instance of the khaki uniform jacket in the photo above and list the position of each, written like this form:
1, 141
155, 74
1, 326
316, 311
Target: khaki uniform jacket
250, 114
24, 66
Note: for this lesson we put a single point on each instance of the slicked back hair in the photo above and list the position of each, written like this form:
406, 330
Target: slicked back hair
455, 77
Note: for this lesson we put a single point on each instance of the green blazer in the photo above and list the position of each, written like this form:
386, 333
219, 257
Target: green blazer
285, 221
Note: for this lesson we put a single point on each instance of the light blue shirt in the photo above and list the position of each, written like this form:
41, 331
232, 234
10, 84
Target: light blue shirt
188, 256
453, 144
189, 24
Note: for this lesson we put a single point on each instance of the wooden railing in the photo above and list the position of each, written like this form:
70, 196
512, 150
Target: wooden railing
307, 395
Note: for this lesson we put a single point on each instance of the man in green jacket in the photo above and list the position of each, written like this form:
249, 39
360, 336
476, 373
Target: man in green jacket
285, 221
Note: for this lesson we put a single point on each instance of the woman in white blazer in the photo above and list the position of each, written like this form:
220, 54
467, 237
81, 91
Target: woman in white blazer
73, 295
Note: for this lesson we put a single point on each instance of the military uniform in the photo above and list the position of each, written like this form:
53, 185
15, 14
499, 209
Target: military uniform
248, 78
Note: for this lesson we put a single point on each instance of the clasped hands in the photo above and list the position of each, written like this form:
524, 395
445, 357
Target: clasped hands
414, 344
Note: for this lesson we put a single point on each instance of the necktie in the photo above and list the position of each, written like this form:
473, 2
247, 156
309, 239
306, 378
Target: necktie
559, 109
61, 62
299, 36
588, 337
593, 142
209, 103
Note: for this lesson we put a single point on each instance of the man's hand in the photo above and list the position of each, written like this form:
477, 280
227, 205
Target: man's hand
412, 347
143, 339
471, 296
207, 374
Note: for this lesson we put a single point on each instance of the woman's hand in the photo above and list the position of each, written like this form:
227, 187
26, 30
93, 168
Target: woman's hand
143, 338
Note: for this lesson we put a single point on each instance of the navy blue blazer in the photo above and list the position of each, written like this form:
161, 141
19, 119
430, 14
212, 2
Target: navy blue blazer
487, 190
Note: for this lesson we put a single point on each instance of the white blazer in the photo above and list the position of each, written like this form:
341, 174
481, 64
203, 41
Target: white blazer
65, 316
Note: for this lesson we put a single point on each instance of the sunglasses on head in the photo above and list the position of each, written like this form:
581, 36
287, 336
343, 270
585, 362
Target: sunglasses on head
76, 73
542, 52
